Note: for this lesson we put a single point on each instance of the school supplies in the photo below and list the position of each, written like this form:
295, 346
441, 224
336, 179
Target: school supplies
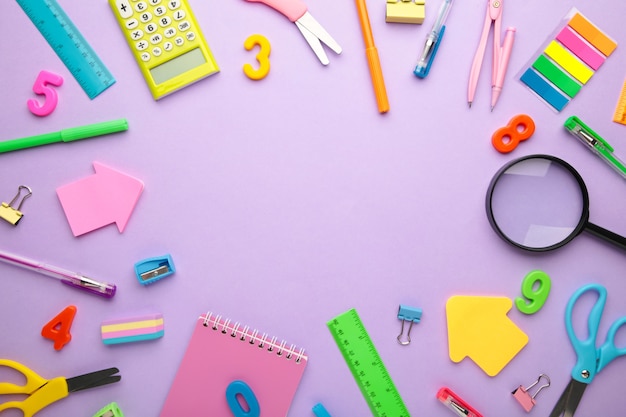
150, 270
167, 43
501, 53
433, 40
69, 44
65, 135
366, 366
42, 87
405, 11
110, 410
373, 61
132, 329
12, 214
241, 400
595, 143
58, 329
536, 287
524, 398
519, 128
314, 33
73, 279
108, 196
320, 411
222, 351
410, 314
263, 57
540, 203
41, 392
566, 62
591, 358
456, 403
620, 109
479, 328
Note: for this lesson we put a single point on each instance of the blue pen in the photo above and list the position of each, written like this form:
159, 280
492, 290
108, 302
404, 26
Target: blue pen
433, 41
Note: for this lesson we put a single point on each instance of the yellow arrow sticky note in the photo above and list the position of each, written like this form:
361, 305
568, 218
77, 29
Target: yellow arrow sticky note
479, 328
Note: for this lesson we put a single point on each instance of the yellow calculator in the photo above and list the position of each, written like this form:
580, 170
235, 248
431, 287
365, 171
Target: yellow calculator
166, 41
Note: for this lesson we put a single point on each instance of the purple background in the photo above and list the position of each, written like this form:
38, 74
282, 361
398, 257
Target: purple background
288, 201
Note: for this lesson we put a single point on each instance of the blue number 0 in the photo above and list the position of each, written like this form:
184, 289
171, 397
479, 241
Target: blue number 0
240, 389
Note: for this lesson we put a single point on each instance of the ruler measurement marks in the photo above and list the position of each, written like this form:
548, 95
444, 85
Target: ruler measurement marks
620, 110
69, 44
366, 366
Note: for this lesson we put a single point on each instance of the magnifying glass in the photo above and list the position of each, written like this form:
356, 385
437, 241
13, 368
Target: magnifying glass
540, 203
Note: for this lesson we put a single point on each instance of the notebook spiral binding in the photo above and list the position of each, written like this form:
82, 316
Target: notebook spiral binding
236, 330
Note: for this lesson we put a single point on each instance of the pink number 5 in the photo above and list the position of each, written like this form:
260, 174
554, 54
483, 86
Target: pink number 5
41, 87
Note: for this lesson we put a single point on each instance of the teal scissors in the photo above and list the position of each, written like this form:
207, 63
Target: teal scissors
42, 392
591, 359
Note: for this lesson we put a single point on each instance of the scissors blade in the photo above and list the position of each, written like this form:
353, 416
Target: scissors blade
314, 43
308, 21
568, 402
93, 379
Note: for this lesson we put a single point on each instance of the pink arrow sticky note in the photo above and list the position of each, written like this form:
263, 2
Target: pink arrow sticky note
108, 196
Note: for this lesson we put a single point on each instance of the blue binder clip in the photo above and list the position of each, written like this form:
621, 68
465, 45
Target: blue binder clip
151, 270
411, 314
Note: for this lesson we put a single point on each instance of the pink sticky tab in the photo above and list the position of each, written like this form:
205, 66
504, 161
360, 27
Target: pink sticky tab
108, 196
580, 48
524, 398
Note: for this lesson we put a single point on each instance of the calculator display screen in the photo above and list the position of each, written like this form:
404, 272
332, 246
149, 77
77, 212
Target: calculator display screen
177, 66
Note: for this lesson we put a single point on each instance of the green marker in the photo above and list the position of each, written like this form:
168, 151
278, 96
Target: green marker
65, 135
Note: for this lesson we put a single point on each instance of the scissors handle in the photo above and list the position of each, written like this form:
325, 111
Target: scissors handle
293, 9
608, 351
586, 365
41, 392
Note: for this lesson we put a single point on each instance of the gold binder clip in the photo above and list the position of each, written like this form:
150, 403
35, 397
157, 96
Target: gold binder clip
405, 11
13, 214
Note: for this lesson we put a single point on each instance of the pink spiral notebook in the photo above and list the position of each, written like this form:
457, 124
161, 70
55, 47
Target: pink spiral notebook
221, 351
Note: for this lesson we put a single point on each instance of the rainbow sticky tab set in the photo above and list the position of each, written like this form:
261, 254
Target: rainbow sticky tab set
567, 61
110, 410
151, 270
133, 329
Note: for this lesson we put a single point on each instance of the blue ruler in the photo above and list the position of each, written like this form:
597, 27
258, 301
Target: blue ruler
69, 44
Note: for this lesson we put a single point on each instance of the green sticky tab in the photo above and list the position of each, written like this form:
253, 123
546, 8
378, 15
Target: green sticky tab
557, 76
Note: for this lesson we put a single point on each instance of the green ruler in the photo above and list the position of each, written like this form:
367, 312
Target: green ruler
69, 44
366, 366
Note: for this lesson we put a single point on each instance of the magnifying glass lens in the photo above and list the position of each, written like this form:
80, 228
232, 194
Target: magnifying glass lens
537, 203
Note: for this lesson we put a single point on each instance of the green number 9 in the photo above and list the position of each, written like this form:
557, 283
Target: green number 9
534, 298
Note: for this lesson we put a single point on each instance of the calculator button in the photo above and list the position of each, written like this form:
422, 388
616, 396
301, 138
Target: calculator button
145, 57
131, 23
169, 32
159, 11
183, 26
157, 51
156, 39
155, 2
168, 46
124, 8
141, 45
179, 41
141, 6
173, 4
136, 34
179, 14
165, 21
145, 17
190, 36
151, 27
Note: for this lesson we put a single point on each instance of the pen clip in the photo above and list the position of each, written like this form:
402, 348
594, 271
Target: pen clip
422, 72
585, 134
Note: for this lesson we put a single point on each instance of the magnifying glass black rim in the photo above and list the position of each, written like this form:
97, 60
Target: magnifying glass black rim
584, 218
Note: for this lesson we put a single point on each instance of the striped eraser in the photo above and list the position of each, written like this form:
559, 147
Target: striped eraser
133, 329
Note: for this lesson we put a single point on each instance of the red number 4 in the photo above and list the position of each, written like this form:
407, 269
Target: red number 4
58, 329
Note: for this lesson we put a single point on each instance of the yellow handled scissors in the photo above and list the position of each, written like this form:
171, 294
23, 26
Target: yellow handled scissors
42, 392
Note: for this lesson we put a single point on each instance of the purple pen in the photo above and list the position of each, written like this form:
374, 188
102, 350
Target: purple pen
72, 279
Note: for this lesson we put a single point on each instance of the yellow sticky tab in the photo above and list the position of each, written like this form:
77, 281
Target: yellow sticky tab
568, 62
479, 328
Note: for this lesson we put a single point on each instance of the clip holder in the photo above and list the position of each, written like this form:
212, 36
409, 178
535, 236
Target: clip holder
151, 270
456, 403
110, 410
12, 214
410, 314
405, 11
526, 400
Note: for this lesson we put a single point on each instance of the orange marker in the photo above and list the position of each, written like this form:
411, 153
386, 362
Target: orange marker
372, 58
